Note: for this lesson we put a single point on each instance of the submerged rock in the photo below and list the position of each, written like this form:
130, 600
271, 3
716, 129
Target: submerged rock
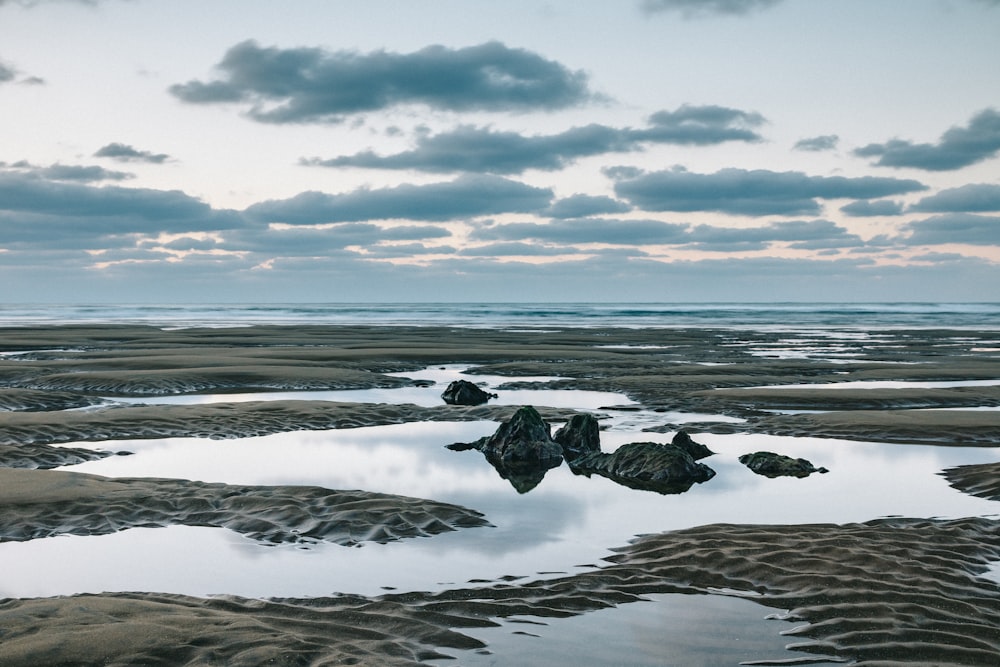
522, 449
463, 392
772, 465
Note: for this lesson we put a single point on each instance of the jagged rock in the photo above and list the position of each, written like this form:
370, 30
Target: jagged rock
521, 449
695, 449
641, 465
650, 466
770, 464
580, 435
463, 392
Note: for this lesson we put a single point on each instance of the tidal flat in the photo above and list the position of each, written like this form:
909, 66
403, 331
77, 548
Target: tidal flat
284, 495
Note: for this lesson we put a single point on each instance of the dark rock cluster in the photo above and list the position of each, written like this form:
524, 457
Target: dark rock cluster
523, 450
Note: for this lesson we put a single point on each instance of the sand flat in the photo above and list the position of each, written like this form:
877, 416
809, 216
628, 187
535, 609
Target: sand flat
886, 591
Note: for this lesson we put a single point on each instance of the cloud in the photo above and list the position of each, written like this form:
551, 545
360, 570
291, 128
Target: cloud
958, 147
864, 208
696, 8
298, 241
826, 142
34, 3
581, 206
66, 172
312, 85
33, 209
465, 197
586, 230
753, 193
7, 73
975, 197
515, 249
800, 234
479, 149
126, 153
961, 228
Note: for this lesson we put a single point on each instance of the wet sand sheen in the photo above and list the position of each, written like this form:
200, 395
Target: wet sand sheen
895, 591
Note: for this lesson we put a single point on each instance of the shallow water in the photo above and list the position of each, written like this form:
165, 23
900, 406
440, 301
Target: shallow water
886, 384
665, 629
428, 396
565, 522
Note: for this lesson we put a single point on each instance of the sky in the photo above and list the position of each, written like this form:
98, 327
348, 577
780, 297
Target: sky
177, 151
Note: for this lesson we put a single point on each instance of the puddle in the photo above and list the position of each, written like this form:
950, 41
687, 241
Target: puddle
422, 396
566, 521
665, 629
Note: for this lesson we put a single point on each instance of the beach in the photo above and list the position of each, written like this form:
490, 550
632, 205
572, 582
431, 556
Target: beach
892, 588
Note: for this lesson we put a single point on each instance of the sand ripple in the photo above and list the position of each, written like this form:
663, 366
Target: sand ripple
962, 428
34, 400
56, 502
230, 420
982, 480
886, 592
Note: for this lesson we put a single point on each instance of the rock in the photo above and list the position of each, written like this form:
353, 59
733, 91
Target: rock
650, 466
521, 449
772, 465
696, 450
581, 435
463, 392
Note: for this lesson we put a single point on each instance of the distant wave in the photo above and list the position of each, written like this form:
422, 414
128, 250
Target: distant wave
491, 315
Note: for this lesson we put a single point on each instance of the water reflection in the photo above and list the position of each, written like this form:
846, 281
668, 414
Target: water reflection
567, 521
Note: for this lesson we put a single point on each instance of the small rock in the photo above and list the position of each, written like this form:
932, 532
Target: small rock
773, 465
463, 392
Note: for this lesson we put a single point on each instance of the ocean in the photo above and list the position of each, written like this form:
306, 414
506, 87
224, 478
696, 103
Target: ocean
778, 316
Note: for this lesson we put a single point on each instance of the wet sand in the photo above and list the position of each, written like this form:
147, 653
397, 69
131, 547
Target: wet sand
899, 591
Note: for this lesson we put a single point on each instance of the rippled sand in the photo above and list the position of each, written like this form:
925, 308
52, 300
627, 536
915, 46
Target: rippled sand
884, 592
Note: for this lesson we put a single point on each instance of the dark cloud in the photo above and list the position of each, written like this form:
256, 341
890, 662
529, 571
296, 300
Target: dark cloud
66, 172
695, 8
311, 85
39, 210
414, 233
406, 250
826, 142
304, 241
941, 257
191, 244
758, 192
7, 73
465, 197
515, 249
586, 230
975, 197
582, 206
312, 242
958, 147
961, 228
126, 153
800, 234
864, 208
479, 149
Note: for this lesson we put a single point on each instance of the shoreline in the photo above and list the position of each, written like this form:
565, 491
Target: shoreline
57, 370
